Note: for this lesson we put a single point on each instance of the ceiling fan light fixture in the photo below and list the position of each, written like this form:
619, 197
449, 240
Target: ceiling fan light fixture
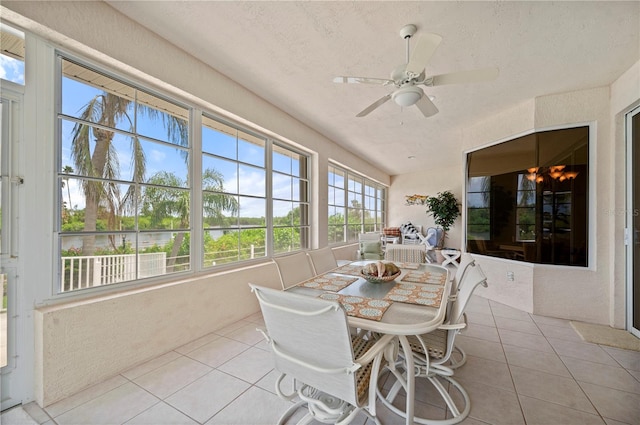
407, 96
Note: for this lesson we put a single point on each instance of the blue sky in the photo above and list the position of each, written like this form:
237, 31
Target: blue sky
11, 69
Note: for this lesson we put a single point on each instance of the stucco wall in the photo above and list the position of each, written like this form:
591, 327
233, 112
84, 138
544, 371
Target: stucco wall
428, 182
82, 343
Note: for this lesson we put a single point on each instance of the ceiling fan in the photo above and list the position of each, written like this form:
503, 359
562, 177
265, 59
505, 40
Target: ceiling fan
407, 77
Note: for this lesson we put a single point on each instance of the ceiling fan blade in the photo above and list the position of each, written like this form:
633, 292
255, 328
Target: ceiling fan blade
473, 76
374, 105
426, 46
362, 80
426, 106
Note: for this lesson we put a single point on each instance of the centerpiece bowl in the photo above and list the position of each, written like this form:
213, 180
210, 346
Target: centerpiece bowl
375, 279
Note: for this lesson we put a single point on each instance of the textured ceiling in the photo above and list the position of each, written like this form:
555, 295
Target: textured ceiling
288, 53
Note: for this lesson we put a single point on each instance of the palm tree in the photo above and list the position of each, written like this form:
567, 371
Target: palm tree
164, 198
106, 110
67, 169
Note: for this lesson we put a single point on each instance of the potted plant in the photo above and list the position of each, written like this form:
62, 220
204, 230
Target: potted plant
444, 209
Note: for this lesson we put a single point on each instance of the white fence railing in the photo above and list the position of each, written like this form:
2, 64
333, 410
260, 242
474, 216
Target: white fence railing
97, 270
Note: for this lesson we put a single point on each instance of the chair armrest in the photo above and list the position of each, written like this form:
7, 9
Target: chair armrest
375, 349
451, 327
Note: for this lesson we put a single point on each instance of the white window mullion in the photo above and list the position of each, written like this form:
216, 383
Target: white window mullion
195, 181
269, 245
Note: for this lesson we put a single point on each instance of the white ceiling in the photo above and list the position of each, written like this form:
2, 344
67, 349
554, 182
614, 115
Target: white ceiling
288, 53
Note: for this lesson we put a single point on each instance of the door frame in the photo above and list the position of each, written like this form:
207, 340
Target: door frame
630, 232
13, 377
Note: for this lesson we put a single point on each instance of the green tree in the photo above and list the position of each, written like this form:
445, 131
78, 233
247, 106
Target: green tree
166, 198
67, 169
107, 110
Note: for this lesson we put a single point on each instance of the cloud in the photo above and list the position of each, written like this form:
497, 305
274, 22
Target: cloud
11, 69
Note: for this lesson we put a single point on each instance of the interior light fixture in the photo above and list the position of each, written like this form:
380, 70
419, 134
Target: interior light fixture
407, 96
556, 172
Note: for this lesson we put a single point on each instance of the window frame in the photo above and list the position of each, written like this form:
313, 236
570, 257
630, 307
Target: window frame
591, 258
379, 210
194, 184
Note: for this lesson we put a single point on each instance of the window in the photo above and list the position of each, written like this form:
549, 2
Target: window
234, 184
337, 206
527, 198
234, 194
126, 186
290, 200
356, 205
478, 207
123, 181
11, 54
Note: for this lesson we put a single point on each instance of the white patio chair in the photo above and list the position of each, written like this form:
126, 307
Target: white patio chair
335, 373
432, 350
458, 356
294, 268
370, 246
404, 253
430, 241
411, 234
322, 260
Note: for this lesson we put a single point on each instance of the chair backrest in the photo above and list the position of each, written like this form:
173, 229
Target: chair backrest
310, 341
404, 254
411, 233
294, 269
473, 277
370, 246
370, 236
466, 260
322, 260
433, 237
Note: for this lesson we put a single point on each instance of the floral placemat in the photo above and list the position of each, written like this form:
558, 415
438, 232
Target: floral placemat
434, 278
429, 295
328, 282
348, 269
408, 266
366, 308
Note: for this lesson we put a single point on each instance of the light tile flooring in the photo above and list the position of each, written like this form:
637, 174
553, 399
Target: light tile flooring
521, 369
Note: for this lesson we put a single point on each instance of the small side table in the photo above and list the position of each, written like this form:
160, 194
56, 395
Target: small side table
450, 256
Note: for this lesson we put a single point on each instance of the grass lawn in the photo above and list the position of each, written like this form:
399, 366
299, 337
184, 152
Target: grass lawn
4, 302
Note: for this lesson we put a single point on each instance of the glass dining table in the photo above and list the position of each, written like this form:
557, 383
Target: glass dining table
412, 304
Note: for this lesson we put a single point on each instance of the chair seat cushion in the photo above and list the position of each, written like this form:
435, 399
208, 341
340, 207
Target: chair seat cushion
436, 343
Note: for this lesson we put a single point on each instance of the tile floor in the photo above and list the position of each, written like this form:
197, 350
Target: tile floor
521, 369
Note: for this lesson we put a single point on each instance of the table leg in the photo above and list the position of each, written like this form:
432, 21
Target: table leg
411, 379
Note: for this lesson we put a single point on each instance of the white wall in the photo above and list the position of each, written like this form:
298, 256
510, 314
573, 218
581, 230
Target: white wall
428, 182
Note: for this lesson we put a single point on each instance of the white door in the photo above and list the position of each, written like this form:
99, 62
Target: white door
10, 365
633, 222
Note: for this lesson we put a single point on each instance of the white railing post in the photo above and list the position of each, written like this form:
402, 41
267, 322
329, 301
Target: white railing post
97, 272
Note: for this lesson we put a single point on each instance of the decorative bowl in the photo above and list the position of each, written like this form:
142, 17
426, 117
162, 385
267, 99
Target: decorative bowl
375, 279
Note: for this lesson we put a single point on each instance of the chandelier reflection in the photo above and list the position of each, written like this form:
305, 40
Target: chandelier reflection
556, 172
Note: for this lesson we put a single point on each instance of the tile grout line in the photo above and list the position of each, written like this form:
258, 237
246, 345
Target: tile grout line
572, 377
